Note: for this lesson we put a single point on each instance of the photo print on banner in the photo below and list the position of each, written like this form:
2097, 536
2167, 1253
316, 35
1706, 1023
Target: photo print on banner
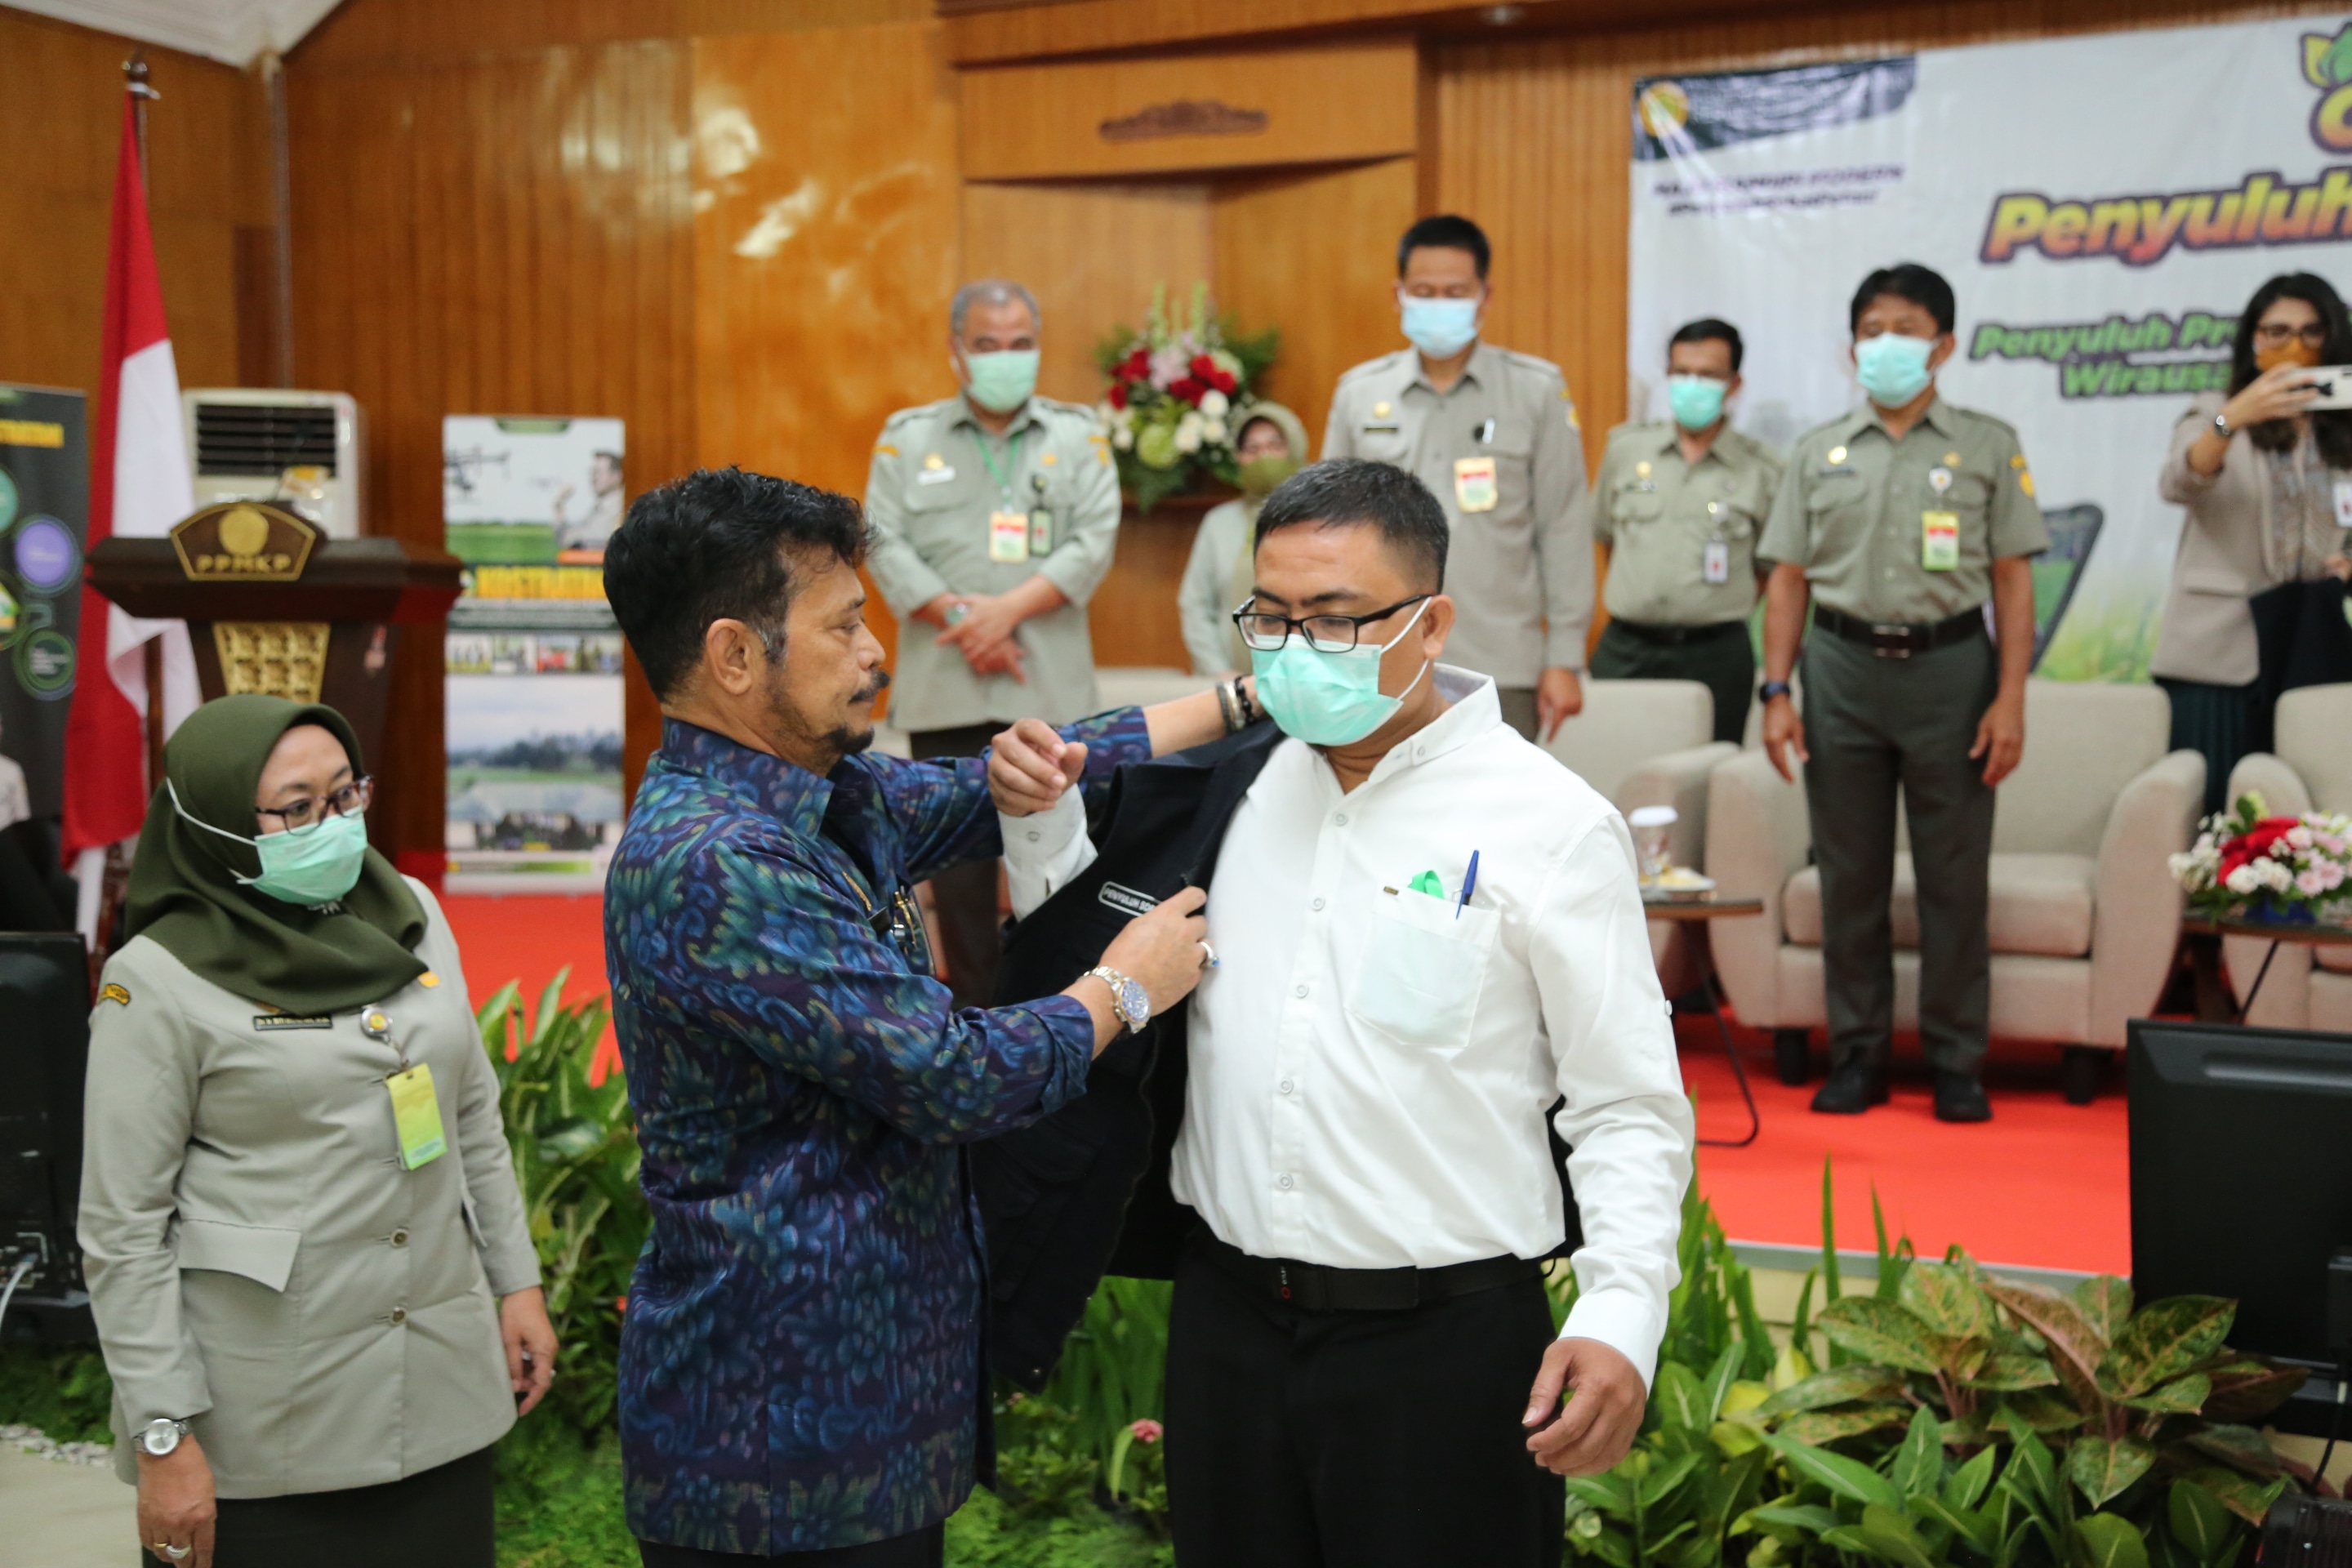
2101, 254
533, 660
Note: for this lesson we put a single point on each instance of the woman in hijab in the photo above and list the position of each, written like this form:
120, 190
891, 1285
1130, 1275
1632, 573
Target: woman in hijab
306, 1250
1271, 447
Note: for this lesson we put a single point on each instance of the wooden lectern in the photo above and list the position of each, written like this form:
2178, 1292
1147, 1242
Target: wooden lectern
274, 606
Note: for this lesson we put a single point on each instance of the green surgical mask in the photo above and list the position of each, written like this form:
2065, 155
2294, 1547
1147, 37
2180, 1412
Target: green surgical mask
1328, 699
308, 866
1004, 381
1260, 475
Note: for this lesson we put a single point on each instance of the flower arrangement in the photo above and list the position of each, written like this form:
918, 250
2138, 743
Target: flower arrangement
2289, 869
1177, 394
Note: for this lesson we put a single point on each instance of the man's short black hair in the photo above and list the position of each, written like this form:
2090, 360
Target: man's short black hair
1445, 232
1923, 286
1342, 491
1710, 330
718, 544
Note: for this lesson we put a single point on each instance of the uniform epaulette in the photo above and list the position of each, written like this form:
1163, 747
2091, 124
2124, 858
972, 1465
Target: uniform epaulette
1995, 420
1532, 361
1369, 366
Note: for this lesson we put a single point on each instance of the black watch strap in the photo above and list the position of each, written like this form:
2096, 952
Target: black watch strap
1772, 689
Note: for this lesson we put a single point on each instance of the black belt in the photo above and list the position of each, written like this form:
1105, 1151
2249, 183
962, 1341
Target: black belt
1317, 1289
1677, 637
1897, 640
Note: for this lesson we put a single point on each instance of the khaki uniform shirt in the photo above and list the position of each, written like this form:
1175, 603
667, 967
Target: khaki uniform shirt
1853, 510
936, 477
260, 1264
1520, 565
1661, 518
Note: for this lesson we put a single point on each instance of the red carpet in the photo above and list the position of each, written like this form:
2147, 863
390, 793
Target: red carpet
2043, 1184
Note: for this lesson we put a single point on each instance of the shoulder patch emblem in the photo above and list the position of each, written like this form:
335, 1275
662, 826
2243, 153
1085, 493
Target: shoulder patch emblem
1573, 422
111, 992
884, 449
2025, 481
2017, 460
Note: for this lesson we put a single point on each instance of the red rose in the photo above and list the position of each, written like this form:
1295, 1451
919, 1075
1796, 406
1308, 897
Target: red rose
1204, 367
1119, 395
1187, 390
1137, 366
1224, 383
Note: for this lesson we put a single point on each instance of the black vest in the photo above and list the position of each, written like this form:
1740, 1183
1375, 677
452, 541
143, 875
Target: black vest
1083, 1192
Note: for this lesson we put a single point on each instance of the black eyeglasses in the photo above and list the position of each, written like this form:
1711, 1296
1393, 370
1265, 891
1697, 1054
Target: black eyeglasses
2313, 333
1265, 630
352, 800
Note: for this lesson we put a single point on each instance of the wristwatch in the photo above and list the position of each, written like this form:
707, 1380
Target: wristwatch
2222, 423
1772, 689
163, 1435
1129, 997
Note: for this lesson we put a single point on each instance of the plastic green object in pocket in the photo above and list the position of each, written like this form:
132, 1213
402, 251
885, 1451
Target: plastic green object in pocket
1427, 882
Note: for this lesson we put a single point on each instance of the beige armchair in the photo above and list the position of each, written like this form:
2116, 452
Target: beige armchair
2307, 987
2084, 916
1645, 743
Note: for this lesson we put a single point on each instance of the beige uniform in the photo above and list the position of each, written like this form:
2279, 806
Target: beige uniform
1501, 452
939, 495
1855, 511
261, 1264
1681, 538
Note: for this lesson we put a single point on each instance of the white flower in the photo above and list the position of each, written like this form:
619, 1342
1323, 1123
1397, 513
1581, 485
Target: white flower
1213, 431
1107, 413
2301, 838
1188, 438
2243, 881
1124, 437
2275, 877
2312, 882
1213, 403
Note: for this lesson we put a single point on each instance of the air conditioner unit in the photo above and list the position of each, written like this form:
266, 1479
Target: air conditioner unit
304, 449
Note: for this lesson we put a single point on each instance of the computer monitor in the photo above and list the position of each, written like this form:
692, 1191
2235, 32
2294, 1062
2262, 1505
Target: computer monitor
2241, 1185
44, 1051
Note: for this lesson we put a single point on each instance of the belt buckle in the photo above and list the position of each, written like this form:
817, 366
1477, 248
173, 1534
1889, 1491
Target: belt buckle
1891, 642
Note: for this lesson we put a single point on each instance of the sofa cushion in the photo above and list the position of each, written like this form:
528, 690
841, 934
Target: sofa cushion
2337, 958
2039, 904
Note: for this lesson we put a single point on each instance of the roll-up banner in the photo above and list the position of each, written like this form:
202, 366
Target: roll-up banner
43, 513
2104, 206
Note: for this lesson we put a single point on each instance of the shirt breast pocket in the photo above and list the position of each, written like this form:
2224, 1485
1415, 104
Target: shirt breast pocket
1632, 506
1836, 503
1423, 969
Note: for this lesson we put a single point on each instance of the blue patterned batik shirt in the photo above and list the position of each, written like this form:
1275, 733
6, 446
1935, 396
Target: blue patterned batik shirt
800, 1357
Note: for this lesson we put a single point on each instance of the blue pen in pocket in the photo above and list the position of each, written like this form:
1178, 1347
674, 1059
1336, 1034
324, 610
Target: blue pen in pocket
1469, 880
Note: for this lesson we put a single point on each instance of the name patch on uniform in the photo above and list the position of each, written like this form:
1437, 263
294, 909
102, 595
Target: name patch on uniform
270, 1022
934, 476
1126, 901
1389, 428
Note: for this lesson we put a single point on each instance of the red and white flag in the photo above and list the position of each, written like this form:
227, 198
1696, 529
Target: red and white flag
139, 486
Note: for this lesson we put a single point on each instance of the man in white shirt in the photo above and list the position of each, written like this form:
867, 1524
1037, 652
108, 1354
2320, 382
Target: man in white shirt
1361, 1362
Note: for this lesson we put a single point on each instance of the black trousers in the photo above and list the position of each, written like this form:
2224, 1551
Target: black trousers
447, 1517
965, 896
1722, 658
1300, 1439
922, 1548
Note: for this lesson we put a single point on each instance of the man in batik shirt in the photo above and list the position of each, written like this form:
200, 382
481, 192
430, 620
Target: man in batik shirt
800, 1359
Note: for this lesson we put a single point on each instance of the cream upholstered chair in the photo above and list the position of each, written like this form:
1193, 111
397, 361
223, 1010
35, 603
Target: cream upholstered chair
2307, 987
1645, 743
2084, 916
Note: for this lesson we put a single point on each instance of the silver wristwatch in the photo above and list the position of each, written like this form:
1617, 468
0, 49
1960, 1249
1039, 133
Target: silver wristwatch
2222, 424
163, 1435
1129, 997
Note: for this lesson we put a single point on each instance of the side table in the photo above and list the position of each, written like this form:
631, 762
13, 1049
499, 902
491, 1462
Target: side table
1686, 910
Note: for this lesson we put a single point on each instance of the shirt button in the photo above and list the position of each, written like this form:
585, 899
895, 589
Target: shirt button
1316, 904
1032, 838
399, 1316
1283, 1181
1300, 991
1341, 820
400, 1236
1285, 1085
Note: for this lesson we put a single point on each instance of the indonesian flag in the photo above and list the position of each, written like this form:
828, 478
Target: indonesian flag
139, 486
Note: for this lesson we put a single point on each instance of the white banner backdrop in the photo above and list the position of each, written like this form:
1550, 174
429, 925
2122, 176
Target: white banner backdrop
2103, 206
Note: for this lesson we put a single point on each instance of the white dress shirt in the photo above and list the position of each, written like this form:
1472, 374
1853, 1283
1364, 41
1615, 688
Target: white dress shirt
1369, 1066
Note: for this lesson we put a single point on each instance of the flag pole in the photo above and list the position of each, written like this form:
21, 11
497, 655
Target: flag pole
142, 92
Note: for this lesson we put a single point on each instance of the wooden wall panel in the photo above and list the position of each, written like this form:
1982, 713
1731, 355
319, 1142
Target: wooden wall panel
435, 32
507, 236
1091, 254
1313, 254
1534, 141
1026, 123
207, 154
825, 246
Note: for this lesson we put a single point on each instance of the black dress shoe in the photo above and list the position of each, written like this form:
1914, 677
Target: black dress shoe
1960, 1098
1854, 1086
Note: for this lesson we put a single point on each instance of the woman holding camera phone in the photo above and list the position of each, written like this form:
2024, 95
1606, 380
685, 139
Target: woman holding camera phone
307, 1253
2267, 480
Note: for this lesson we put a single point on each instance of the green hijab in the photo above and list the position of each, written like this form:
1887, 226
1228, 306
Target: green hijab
184, 893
